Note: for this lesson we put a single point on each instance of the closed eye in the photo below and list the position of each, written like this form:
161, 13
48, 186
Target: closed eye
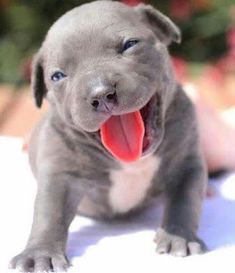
57, 76
128, 44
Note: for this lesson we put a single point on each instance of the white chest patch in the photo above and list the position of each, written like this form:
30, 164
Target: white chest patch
131, 183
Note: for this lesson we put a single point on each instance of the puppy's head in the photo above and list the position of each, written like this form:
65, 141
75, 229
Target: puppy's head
103, 60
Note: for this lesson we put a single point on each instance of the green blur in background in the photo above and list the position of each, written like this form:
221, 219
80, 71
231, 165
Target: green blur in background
23, 24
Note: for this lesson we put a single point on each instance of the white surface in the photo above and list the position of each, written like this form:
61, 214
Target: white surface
112, 247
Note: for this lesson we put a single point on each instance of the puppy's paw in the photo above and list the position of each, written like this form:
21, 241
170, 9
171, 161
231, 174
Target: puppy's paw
38, 259
178, 243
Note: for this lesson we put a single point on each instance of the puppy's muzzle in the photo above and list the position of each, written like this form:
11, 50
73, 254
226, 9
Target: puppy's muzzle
103, 98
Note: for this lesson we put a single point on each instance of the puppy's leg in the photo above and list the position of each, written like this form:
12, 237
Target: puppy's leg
177, 235
55, 207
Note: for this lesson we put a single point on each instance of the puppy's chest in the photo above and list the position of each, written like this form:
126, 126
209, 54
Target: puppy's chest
130, 184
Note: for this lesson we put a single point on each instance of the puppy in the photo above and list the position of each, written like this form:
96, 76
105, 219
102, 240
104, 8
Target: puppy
120, 131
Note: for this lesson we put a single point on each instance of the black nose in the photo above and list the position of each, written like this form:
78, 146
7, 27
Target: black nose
104, 99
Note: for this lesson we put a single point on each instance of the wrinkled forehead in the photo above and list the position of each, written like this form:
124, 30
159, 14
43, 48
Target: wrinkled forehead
85, 26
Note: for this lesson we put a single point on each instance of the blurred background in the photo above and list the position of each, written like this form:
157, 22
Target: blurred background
206, 57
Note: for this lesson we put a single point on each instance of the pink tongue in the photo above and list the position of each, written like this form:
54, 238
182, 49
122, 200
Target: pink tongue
123, 136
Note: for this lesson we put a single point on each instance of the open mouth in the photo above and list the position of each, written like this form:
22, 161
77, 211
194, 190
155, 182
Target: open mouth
130, 136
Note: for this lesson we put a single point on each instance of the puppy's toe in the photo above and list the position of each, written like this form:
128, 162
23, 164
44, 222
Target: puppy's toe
12, 263
60, 263
197, 247
178, 247
22, 263
162, 242
42, 264
163, 247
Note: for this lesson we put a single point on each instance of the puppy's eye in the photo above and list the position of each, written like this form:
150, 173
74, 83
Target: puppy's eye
57, 76
129, 43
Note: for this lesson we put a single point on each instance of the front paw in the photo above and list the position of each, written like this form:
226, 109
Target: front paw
178, 243
40, 259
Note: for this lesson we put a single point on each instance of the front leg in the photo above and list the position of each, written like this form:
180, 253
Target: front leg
55, 207
184, 196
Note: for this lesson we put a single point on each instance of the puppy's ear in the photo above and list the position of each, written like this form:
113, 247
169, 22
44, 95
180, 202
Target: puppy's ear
161, 25
37, 80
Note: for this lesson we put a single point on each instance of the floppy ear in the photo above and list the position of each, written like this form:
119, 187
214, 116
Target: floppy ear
37, 80
161, 25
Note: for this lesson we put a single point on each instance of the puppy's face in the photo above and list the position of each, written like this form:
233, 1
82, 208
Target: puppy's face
106, 59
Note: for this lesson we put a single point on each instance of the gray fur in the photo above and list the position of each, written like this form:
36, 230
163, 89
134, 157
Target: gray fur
66, 154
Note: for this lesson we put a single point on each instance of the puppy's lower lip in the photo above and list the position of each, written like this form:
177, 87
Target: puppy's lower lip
148, 115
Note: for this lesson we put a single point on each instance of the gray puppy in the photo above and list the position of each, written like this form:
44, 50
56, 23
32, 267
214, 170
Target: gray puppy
120, 131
